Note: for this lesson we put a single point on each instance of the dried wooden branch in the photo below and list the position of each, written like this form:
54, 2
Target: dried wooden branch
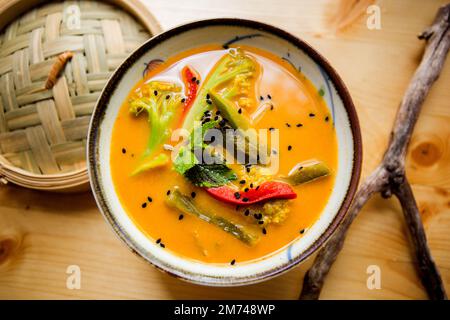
389, 178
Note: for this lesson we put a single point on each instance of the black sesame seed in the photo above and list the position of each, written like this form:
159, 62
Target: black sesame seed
207, 96
124, 150
158, 241
213, 138
180, 217
261, 98
198, 81
246, 189
289, 148
233, 262
242, 182
269, 96
168, 192
183, 100
271, 107
240, 110
271, 129
264, 231
155, 93
260, 222
216, 118
302, 231
247, 169
247, 212
274, 151
257, 188
251, 185
149, 199
144, 205
217, 112
208, 101
288, 125
245, 199
327, 118
193, 194
222, 122
167, 97
299, 125
237, 195
300, 168
194, 79
162, 245
312, 115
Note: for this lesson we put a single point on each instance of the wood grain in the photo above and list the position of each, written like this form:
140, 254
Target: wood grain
41, 234
389, 178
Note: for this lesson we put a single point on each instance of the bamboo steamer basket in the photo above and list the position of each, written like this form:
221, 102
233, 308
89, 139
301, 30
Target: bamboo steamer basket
43, 131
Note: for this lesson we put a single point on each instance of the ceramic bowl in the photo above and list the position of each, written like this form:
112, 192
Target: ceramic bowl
226, 32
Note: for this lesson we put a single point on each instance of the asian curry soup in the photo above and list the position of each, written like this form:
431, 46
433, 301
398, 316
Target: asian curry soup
224, 155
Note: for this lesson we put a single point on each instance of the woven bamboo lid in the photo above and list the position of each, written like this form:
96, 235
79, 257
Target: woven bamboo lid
43, 131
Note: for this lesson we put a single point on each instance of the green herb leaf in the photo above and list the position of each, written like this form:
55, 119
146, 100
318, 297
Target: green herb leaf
184, 161
210, 175
186, 158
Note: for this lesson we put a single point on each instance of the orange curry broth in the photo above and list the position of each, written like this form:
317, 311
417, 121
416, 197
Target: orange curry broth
294, 98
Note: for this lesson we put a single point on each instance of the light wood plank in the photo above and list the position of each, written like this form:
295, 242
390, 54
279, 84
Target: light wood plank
45, 233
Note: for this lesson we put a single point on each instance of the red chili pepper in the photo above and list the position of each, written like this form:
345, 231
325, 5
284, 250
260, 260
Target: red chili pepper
190, 78
267, 190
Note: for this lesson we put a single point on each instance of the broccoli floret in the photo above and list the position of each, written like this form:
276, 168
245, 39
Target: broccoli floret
160, 100
235, 64
241, 87
274, 211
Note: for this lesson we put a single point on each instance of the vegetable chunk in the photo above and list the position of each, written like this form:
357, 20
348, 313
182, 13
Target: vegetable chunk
187, 205
160, 100
231, 65
306, 172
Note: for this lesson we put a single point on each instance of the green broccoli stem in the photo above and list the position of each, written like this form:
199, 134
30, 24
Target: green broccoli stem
155, 130
151, 162
245, 139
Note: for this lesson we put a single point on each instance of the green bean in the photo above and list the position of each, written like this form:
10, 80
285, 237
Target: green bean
186, 204
306, 172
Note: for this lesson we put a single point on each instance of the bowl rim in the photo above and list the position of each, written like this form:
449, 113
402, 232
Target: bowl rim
103, 101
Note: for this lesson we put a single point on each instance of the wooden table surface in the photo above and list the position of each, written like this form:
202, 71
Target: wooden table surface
42, 234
